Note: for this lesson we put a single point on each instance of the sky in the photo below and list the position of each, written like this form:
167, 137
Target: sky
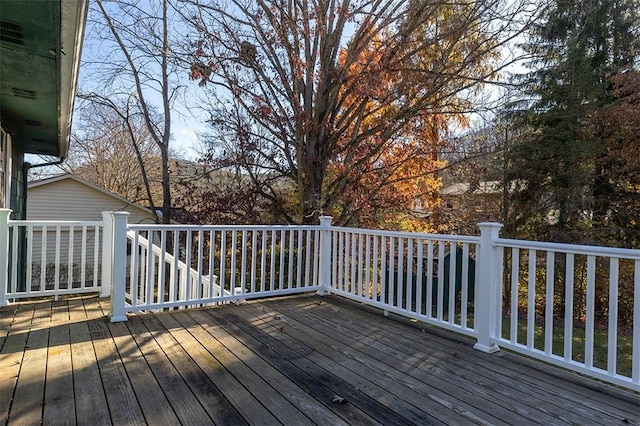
97, 50
186, 125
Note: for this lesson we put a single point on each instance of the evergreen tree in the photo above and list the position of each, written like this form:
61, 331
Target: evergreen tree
579, 45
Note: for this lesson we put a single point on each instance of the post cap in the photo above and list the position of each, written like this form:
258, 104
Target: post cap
490, 225
325, 220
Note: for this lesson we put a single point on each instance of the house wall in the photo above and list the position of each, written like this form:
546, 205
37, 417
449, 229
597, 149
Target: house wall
13, 196
12, 179
68, 199
18, 184
4, 173
12, 183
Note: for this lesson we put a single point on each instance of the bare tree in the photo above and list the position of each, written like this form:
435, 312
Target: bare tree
134, 66
112, 149
300, 85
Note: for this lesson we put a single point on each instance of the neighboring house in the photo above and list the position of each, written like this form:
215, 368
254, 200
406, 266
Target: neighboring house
465, 205
68, 197
40, 46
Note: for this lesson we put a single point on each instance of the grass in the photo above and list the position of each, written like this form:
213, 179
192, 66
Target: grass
624, 359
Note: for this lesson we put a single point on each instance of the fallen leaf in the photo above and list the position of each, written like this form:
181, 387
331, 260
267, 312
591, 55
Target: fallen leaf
338, 400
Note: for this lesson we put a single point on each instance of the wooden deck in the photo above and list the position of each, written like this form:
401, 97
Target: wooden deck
291, 361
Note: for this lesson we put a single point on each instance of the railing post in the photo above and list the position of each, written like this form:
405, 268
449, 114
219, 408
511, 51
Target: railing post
4, 255
325, 256
118, 266
107, 254
486, 307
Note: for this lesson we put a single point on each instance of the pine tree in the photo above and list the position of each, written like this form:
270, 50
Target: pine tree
578, 47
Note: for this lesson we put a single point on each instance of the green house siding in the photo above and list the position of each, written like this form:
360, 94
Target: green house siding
4, 173
18, 200
39, 60
12, 196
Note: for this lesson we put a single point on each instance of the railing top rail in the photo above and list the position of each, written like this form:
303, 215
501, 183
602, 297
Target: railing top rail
570, 248
156, 227
51, 223
456, 238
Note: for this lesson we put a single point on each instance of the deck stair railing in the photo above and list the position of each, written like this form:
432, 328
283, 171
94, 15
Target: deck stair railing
157, 275
194, 265
574, 306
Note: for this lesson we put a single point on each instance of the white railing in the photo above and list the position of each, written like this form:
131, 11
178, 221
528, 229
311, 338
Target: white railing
52, 258
574, 306
192, 265
426, 277
157, 276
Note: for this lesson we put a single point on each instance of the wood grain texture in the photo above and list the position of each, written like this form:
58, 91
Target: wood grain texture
207, 394
28, 398
59, 405
123, 404
90, 399
294, 360
180, 397
12, 354
153, 402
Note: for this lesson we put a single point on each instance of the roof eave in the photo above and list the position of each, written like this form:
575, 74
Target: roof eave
73, 14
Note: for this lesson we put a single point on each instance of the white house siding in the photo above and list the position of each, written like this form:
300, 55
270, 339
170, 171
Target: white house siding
71, 199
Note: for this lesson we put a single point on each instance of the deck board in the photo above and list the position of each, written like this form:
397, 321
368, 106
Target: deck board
210, 398
289, 391
90, 401
29, 392
278, 361
121, 399
7, 316
12, 353
427, 401
408, 356
259, 388
151, 398
412, 372
159, 350
202, 347
514, 380
59, 406
318, 383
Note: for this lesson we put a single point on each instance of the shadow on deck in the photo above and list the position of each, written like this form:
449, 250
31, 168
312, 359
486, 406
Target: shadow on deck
293, 360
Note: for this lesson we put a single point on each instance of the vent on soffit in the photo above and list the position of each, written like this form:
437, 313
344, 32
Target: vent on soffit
23, 93
11, 33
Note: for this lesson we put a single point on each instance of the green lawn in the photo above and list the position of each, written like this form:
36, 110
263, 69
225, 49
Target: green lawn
600, 353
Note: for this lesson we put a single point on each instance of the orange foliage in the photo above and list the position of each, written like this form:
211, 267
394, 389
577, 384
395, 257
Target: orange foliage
398, 188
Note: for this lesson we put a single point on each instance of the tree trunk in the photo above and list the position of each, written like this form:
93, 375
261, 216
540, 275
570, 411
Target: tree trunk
166, 187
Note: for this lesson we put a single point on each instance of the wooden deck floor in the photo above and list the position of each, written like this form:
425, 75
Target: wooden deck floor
291, 361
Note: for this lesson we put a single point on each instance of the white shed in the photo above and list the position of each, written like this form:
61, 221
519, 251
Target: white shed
68, 197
